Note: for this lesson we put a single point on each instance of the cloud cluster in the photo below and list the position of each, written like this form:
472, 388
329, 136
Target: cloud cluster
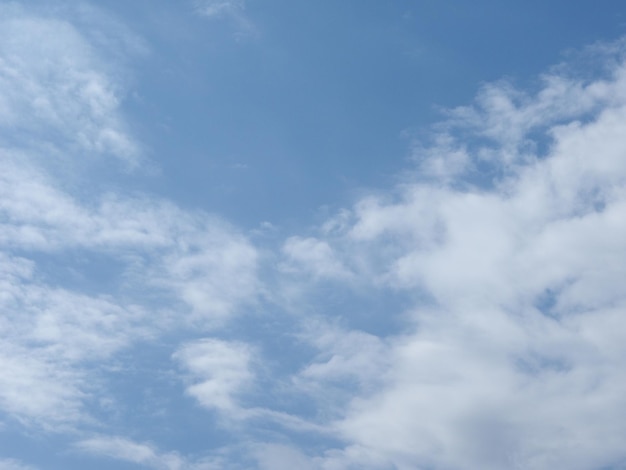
512, 233
85, 276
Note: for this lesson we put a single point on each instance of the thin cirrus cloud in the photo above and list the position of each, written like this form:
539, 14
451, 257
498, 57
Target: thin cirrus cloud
506, 239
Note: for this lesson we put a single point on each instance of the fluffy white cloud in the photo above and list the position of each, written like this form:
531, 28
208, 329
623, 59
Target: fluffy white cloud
513, 355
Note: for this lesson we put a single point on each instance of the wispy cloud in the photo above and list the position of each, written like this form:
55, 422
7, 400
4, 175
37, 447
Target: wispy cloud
119, 448
218, 8
312, 257
11, 464
231, 10
57, 92
190, 263
61, 99
219, 372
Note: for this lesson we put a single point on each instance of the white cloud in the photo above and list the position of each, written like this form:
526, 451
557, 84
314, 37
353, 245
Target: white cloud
60, 105
139, 453
280, 457
147, 455
56, 92
511, 236
219, 372
355, 357
232, 10
217, 8
199, 258
36, 389
199, 268
49, 335
11, 464
314, 257
513, 358
212, 269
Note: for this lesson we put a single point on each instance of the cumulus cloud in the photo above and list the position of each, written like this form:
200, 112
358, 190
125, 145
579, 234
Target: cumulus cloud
514, 230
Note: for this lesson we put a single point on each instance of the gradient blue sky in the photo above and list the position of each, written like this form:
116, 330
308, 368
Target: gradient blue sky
279, 235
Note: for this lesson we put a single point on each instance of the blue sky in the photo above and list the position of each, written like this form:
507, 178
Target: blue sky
270, 235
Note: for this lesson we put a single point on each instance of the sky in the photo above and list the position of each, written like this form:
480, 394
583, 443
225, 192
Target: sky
276, 235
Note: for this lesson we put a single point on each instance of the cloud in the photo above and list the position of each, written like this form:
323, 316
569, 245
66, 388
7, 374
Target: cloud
82, 272
147, 455
348, 362
129, 451
194, 267
212, 271
217, 8
232, 10
279, 457
512, 354
219, 372
50, 336
11, 464
507, 238
314, 257
57, 92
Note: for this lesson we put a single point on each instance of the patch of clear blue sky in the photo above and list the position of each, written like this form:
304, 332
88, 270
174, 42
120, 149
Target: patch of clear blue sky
316, 101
